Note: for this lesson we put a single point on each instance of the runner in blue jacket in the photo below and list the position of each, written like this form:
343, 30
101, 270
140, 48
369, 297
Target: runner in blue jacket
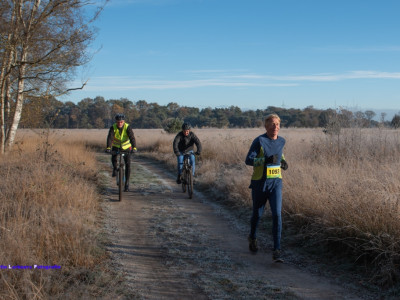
266, 157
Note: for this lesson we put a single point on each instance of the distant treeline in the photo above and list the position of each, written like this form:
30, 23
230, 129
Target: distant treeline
99, 113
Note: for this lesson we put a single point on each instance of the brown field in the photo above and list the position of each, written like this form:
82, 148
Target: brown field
49, 212
341, 191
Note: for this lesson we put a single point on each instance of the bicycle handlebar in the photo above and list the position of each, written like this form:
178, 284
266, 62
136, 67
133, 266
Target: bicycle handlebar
116, 152
189, 153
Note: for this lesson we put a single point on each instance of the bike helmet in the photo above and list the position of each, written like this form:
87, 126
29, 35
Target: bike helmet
186, 126
119, 117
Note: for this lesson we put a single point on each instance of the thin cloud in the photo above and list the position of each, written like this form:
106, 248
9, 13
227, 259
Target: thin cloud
142, 2
123, 83
359, 49
325, 76
112, 83
212, 71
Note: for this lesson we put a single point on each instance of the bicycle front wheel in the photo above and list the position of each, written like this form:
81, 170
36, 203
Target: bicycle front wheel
183, 179
189, 183
120, 183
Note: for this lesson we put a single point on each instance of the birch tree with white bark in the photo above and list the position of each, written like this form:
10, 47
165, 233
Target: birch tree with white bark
42, 42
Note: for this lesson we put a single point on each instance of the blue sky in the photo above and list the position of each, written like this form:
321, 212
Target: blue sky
247, 53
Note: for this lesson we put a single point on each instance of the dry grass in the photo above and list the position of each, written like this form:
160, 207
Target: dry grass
48, 210
340, 190
344, 190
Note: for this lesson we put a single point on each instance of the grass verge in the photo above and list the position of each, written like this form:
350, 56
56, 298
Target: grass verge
50, 223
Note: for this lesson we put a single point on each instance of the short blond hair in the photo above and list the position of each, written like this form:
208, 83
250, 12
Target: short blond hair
270, 117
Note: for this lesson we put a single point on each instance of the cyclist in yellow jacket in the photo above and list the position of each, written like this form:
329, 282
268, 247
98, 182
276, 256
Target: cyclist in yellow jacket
120, 136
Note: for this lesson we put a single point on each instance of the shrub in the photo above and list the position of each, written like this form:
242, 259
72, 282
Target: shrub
173, 125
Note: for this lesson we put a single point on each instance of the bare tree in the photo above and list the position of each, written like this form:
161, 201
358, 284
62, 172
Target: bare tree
41, 44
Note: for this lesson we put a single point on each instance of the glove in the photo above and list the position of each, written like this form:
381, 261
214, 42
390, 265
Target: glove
108, 150
133, 150
284, 164
197, 153
259, 161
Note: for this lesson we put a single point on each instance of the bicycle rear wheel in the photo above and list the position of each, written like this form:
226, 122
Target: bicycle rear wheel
189, 182
120, 183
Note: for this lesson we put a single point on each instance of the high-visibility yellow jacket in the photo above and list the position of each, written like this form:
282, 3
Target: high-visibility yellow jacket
121, 140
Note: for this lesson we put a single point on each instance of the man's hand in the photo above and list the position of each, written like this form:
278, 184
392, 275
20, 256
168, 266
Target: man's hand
197, 153
284, 164
133, 150
108, 150
259, 161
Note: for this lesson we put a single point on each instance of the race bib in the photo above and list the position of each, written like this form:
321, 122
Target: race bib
274, 172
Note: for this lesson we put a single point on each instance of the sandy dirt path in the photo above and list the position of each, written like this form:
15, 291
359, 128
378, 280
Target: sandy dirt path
171, 247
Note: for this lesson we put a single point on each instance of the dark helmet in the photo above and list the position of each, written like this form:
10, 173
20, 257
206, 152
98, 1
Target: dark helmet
119, 117
186, 126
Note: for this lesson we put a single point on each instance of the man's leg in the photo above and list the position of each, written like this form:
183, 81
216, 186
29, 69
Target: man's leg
114, 164
275, 202
180, 166
192, 162
127, 159
259, 200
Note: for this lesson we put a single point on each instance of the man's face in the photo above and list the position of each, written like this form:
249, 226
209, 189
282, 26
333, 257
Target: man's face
272, 127
186, 132
120, 124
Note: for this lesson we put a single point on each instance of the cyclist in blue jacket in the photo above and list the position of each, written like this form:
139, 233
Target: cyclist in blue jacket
266, 157
183, 142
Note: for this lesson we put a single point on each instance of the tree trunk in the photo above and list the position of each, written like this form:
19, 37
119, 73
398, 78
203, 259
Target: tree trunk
2, 113
11, 133
18, 105
8, 58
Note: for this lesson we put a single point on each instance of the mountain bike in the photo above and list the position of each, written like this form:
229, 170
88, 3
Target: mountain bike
186, 175
120, 170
